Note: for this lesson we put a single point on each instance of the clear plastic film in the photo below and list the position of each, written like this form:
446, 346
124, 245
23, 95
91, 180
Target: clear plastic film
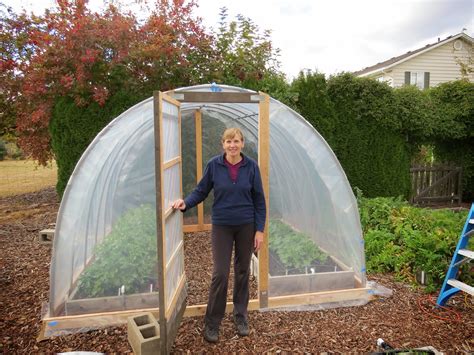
113, 186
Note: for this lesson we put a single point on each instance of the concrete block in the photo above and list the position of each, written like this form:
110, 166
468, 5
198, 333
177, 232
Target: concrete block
46, 236
143, 333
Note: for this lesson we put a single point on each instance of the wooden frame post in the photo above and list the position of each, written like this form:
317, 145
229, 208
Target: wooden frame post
158, 109
264, 164
198, 125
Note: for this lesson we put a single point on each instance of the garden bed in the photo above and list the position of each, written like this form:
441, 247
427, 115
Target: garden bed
329, 276
112, 303
298, 266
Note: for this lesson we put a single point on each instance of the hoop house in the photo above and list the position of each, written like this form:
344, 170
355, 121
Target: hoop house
118, 247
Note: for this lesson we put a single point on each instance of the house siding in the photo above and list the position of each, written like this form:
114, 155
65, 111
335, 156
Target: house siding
440, 62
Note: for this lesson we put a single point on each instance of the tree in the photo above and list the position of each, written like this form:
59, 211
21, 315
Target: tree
72, 56
72, 52
245, 56
15, 53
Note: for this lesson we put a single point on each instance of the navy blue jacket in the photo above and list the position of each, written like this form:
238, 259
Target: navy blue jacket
235, 203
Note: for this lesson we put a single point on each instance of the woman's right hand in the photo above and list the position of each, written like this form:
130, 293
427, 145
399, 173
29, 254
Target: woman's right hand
179, 204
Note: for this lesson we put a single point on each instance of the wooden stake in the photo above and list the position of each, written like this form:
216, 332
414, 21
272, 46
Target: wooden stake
198, 124
264, 164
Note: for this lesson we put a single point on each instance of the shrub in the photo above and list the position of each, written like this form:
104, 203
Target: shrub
403, 239
14, 152
3, 149
73, 128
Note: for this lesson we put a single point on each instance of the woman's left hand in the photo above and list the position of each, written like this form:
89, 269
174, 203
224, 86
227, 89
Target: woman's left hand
258, 240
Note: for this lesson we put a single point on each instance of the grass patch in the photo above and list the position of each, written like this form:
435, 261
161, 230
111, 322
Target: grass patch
23, 176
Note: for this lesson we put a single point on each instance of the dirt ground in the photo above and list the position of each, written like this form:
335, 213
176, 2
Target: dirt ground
405, 320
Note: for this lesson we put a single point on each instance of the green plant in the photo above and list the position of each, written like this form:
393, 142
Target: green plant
127, 257
73, 128
403, 239
3, 149
295, 249
14, 152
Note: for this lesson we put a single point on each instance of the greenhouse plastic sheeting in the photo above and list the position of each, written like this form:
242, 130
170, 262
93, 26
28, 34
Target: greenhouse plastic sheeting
309, 191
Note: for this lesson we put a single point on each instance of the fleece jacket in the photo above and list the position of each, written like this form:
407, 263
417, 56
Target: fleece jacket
235, 203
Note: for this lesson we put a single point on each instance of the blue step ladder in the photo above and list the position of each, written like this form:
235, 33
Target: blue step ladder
462, 255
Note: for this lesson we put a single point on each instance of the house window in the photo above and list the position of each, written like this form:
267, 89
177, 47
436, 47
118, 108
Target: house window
385, 79
418, 78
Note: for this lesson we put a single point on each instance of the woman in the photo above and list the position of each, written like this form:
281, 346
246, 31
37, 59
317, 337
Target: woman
238, 218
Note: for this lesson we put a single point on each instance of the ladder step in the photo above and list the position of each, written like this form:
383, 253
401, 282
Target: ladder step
469, 234
462, 286
471, 221
467, 253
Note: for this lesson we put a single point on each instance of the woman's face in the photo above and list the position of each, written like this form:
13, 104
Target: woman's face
233, 146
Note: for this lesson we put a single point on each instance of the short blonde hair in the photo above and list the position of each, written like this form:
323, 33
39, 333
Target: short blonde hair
230, 133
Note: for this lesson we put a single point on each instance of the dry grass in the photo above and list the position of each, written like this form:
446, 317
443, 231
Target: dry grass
22, 176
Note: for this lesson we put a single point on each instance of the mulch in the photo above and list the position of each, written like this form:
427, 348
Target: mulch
405, 320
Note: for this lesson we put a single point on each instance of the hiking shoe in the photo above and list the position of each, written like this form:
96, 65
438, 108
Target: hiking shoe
242, 326
211, 334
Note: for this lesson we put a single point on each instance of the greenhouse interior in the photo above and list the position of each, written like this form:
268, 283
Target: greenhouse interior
118, 242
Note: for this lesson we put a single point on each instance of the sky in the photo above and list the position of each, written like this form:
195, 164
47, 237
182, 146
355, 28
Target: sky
331, 36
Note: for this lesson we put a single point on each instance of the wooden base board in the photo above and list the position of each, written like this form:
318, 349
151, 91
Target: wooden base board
112, 303
320, 298
310, 283
196, 228
54, 325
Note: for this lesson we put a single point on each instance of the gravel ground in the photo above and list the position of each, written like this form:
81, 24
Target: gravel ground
405, 320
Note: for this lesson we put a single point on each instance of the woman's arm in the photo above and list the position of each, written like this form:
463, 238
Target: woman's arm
199, 193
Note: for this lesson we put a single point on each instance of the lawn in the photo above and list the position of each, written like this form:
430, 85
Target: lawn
22, 176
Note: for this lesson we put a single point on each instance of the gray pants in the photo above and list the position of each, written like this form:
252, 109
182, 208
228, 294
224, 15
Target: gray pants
223, 240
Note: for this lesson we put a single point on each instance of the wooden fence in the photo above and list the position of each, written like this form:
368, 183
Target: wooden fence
436, 184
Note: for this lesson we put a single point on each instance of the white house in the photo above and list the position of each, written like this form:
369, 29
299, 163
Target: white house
428, 66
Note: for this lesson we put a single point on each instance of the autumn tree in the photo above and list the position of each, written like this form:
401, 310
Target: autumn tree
68, 72
73, 52
15, 53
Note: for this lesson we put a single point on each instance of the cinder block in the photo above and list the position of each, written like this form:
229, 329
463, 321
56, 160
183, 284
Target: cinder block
46, 236
143, 334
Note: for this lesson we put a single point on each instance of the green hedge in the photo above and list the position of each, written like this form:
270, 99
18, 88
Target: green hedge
315, 105
73, 128
377, 131
454, 138
358, 119
374, 130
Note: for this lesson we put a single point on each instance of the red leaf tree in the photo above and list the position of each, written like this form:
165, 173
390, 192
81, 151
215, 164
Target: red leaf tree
76, 53
71, 51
